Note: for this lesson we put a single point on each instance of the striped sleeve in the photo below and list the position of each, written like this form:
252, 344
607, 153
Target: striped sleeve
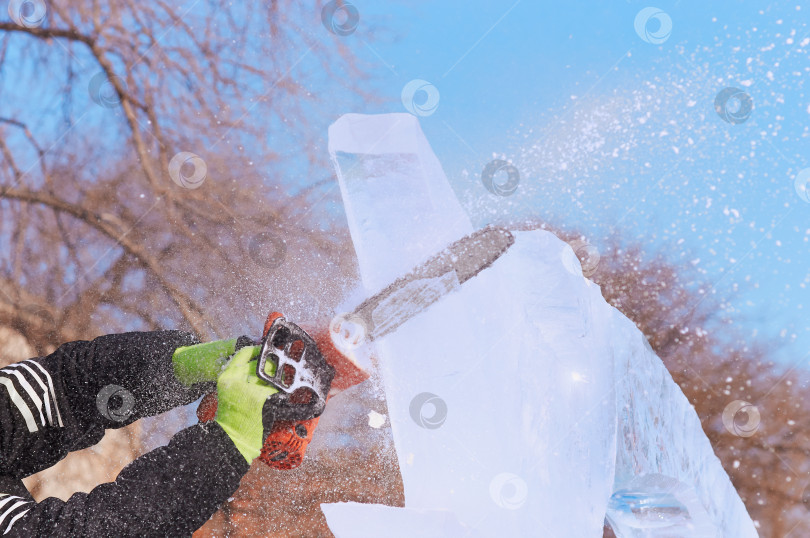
53, 405
30, 389
36, 429
12, 508
170, 491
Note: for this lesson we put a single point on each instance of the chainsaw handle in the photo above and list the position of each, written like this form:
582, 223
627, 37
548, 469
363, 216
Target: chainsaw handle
292, 413
284, 445
299, 367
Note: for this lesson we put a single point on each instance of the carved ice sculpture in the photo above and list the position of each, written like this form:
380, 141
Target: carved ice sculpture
523, 404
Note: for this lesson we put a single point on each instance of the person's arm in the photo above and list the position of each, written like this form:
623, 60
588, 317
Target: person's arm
170, 491
52, 405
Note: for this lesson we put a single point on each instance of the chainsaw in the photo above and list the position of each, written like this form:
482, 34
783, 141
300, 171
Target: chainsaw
307, 369
291, 361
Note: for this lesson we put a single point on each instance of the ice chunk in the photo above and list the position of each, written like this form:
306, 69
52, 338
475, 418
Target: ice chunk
655, 505
375, 420
522, 404
660, 434
395, 192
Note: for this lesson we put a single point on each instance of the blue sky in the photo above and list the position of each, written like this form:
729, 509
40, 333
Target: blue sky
610, 132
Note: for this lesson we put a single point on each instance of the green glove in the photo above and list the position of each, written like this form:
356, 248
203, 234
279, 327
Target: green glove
202, 362
242, 396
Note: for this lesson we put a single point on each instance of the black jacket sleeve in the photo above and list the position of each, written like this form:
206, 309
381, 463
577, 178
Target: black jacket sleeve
53, 405
171, 491
63, 402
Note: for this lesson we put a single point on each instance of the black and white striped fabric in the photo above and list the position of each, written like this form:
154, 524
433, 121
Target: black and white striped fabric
30, 389
12, 508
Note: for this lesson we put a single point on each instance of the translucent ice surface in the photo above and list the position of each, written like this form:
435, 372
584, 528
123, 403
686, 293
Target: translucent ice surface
521, 404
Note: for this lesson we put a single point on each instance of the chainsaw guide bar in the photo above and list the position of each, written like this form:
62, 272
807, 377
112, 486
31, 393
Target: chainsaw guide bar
428, 282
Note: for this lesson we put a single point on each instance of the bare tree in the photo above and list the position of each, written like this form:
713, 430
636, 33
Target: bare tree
144, 147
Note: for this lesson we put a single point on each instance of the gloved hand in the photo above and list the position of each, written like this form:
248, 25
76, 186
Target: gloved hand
205, 362
243, 402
